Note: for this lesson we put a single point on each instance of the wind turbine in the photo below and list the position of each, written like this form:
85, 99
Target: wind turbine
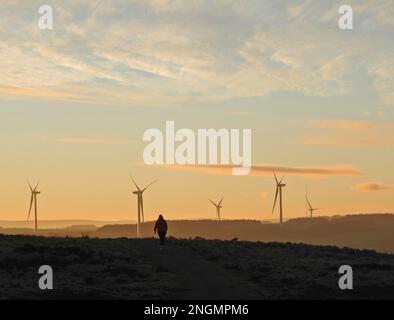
309, 206
218, 207
139, 192
33, 199
279, 186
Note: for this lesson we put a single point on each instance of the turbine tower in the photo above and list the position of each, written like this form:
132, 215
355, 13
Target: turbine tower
139, 192
279, 186
218, 207
33, 199
309, 206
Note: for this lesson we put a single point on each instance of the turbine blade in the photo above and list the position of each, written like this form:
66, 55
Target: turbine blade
31, 205
149, 185
213, 203
276, 178
220, 201
31, 188
309, 204
306, 199
276, 197
135, 183
281, 180
36, 185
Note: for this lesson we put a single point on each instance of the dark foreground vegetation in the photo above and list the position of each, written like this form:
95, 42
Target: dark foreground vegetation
123, 268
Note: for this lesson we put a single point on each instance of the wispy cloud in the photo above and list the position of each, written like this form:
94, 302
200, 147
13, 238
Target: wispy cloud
262, 170
171, 51
90, 141
351, 133
43, 93
243, 113
372, 186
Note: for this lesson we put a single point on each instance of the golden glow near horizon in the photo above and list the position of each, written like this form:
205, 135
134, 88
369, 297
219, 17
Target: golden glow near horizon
76, 100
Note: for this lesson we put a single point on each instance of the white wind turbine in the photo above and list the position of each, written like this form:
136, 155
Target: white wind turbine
279, 186
33, 199
218, 207
139, 192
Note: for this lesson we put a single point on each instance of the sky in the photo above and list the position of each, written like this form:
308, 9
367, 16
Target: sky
76, 100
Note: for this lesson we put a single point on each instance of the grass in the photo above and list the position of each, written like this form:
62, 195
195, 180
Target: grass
134, 269
83, 269
299, 271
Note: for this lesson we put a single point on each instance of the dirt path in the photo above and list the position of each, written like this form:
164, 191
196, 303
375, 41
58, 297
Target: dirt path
198, 278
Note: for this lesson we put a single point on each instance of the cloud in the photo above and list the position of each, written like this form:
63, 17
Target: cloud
90, 141
262, 170
15, 91
372, 187
243, 113
351, 133
171, 51
382, 71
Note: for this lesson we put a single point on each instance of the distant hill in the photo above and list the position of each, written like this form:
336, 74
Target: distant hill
371, 231
55, 224
82, 228
364, 231
210, 229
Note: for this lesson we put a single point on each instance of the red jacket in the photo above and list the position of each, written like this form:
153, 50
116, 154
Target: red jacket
160, 226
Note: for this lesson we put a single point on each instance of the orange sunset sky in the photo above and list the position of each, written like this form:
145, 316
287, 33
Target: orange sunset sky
75, 102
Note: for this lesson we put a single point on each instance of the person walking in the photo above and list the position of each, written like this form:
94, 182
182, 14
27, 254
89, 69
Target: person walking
161, 229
